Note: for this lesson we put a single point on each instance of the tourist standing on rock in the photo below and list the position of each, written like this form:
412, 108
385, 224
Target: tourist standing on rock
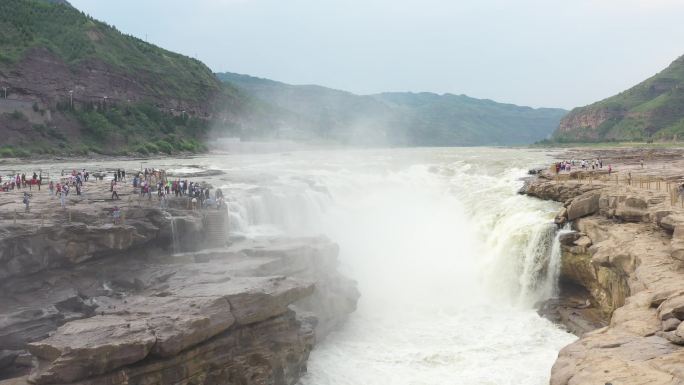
642, 163
26, 201
610, 169
115, 194
60, 193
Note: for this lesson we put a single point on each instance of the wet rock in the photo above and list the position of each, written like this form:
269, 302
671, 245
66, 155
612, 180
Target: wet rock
561, 217
7, 358
569, 238
18, 327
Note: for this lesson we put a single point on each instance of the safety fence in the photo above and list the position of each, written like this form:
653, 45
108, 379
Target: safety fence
672, 186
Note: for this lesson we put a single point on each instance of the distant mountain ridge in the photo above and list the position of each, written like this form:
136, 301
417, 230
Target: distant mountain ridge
400, 118
70, 84
653, 109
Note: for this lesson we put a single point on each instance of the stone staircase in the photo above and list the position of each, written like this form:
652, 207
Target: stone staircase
216, 228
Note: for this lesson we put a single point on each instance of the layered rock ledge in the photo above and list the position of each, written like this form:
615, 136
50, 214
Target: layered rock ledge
626, 254
85, 302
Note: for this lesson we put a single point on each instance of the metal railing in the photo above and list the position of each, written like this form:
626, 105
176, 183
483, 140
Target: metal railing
647, 182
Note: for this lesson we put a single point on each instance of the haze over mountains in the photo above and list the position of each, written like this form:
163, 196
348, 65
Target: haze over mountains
399, 118
77, 85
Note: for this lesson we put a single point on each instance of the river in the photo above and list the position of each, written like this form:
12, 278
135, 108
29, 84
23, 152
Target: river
449, 259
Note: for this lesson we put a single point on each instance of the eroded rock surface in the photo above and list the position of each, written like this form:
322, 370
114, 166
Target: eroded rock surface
626, 254
248, 313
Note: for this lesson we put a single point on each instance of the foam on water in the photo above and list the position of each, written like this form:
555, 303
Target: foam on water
449, 260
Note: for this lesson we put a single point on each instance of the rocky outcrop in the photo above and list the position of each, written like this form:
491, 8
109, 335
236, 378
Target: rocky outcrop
59, 242
623, 254
248, 313
583, 124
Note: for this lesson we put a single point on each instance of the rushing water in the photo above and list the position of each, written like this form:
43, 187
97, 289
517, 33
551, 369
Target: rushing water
449, 259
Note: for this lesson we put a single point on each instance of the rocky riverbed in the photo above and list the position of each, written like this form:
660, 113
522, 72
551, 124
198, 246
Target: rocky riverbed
160, 298
622, 277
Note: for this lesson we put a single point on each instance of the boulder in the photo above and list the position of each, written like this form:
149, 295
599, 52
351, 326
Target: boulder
680, 330
561, 217
665, 219
90, 347
673, 307
583, 241
569, 238
670, 324
583, 205
662, 296
635, 203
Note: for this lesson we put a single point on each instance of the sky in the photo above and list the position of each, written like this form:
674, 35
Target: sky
540, 53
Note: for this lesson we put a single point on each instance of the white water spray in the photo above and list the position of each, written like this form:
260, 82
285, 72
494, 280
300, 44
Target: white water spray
449, 260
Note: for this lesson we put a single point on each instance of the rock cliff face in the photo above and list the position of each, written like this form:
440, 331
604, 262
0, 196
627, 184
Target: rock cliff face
651, 109
119, 309
624, 253
583, 125
58, 242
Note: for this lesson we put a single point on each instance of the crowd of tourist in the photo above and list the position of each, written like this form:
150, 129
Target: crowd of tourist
19, 181
145, 184
569, 165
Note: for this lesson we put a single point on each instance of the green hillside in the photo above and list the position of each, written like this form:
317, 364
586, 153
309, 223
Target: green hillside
75, 38
401, 118
653, 109
128, 95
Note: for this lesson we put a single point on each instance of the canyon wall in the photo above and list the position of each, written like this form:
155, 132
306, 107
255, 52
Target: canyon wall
626, 254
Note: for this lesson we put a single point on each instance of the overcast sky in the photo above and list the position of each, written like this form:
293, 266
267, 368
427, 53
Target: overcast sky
551, 53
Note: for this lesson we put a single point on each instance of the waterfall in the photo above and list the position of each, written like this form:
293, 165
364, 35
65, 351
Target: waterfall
175, 242
552, 289
536, 264
436, 238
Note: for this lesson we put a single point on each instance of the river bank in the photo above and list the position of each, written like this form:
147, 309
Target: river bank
622, 266
162, 295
